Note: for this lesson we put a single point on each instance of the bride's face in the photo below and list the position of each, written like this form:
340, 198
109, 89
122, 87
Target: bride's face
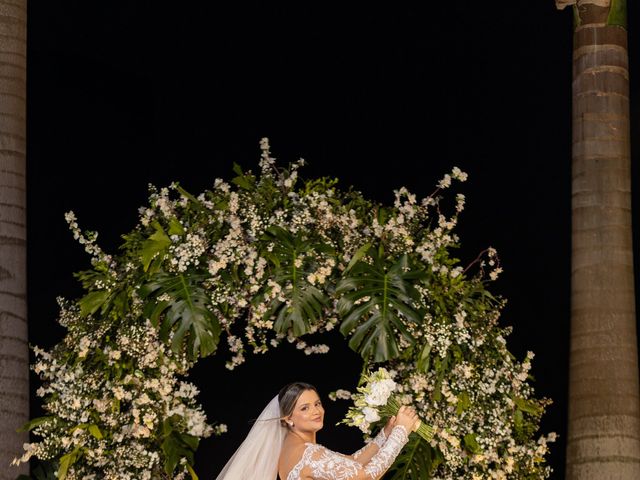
308, 414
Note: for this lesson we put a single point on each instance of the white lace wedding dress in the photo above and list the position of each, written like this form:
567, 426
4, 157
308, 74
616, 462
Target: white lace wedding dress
323, 464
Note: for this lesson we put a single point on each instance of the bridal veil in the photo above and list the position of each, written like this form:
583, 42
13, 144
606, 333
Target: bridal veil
257, 457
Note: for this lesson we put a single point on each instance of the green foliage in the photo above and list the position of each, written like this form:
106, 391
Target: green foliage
378, 298
423, 362
34, 422
273, 258
67, 461
303, 303
244, 181
464, 403
154, 245
187, 308
92, 301
417, 461
176, 445
471, 444
42, 471
526, 418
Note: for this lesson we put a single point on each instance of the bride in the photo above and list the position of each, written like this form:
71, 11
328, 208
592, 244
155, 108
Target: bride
283, 442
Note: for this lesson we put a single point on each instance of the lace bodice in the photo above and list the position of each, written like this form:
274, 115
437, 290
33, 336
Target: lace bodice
324, 464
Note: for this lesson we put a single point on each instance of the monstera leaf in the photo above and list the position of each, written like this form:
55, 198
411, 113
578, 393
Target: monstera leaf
416, 461
304, 303
378, 296
185, 311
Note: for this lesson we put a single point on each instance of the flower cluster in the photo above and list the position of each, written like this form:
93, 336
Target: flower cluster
373, 394
376, 401
268, 257
475, 395
111, 396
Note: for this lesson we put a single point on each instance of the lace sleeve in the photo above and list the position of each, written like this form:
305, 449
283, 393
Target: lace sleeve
382, 460
321, 463
378, 441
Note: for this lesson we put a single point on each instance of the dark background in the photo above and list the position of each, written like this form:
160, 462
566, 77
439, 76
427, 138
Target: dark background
121, 94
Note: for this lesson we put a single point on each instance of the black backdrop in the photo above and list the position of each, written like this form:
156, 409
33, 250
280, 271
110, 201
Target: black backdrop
127, 93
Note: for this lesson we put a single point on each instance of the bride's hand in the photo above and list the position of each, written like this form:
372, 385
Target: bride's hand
389, 426
407, 417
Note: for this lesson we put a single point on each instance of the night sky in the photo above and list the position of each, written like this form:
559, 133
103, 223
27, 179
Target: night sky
125, 94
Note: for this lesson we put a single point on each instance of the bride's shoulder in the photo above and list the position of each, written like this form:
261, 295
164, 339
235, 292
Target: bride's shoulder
292, 454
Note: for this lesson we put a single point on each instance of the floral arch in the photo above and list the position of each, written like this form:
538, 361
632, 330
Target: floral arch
265, 259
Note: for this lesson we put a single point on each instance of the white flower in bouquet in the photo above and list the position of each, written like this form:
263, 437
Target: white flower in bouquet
380, 392
358, 420
376, 401
370, 414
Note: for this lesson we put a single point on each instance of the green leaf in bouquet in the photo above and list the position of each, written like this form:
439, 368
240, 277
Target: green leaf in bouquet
188, 314
377, 299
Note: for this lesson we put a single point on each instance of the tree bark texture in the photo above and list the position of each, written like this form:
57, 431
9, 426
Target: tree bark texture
604, 396
563, 3
14, 354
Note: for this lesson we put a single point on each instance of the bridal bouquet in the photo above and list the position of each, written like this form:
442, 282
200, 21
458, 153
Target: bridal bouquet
376, 401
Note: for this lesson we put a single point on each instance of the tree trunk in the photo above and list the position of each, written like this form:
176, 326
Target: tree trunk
14, 354
603, 439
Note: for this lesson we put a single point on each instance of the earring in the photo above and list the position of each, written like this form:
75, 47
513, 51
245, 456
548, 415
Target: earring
290, 424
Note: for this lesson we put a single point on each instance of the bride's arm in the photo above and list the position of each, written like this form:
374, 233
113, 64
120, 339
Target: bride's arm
323, 464
384, 458
364, 454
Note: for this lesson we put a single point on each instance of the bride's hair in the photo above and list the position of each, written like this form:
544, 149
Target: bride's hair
288, 397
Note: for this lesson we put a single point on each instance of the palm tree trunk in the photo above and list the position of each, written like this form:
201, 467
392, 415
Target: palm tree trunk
603, 440
14, 354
